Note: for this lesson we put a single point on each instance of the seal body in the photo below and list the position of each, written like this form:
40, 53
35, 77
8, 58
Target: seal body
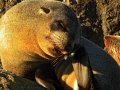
34, 32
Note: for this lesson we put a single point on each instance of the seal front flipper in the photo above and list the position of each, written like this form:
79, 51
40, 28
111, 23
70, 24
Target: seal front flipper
82, 69
112, 45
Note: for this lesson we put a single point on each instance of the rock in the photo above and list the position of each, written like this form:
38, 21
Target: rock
9, 81
110, 15
7, 4
90, 20
98, 18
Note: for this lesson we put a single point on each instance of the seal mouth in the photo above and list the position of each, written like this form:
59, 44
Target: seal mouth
62, 51
58, 49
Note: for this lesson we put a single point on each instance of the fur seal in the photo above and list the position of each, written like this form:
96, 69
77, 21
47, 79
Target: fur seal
34, 32
112, 44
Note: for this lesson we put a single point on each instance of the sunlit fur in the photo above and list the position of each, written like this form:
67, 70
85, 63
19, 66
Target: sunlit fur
112, 45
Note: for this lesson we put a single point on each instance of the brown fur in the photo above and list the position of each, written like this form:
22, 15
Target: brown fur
34, 32
112, 44
26, 34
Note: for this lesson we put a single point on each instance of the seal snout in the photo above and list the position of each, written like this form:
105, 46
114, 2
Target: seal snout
61, 42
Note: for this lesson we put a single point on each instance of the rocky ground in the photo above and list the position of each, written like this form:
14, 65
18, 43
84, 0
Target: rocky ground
97, 17
9, 81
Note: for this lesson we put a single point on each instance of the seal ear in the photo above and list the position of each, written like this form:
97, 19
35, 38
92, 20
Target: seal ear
44, 10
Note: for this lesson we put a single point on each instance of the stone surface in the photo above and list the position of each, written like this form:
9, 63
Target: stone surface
98, 18
9, 81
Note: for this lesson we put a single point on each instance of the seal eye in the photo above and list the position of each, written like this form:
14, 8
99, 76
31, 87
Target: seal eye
58, 25
44, 10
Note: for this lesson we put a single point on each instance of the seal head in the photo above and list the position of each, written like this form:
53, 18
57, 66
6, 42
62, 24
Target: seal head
61, 32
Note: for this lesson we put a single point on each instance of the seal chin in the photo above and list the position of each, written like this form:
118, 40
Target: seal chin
56, 51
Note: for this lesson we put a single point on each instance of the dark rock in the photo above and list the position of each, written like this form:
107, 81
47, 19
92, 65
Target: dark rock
7, 4
9, 81
98, 18
110, 15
